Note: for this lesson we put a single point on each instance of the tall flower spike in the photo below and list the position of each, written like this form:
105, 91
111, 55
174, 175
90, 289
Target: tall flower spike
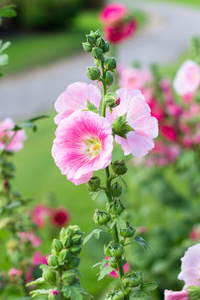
138, 117
76, 97
83, 144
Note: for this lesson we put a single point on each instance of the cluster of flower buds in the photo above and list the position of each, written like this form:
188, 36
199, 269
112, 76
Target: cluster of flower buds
115, 295
62, 266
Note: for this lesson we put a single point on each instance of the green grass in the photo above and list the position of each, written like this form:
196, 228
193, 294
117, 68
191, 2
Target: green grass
182, 2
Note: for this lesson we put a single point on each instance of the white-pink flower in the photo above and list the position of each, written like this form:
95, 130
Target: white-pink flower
190, 267
138, 116
83, 144
16, 143
187, 79
112, 13
75, 97
171, 295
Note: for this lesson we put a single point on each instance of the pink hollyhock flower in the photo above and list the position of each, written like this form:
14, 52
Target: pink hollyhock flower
138, 117
187, 79
156, 109
114, 274
60, 217
75, 97
37, 259
113, 13
131, 78
14, 272
169, 132
190, 267
83, 144
182, 295
54, 292
187, 141
17, 142
40, 213
31, 238
119, 32
195, 233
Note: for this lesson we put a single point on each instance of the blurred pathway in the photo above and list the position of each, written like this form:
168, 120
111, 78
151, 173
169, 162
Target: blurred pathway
164, 38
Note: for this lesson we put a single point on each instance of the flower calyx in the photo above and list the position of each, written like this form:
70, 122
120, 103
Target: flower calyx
101, 217
113, 250
93, 184
127, 232
116, 207
120, 126
112, 100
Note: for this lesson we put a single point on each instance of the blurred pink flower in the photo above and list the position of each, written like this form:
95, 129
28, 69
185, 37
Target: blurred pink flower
187, 141
17, 142
195, 233
39, 259
187, 79
54, 292
138, 116
83, 144
26, 237
114, 274
182, 295
40, 213
60, 217
112, 13
190, 267
119, 32
75, 98
169, 132
134, 78
14, 272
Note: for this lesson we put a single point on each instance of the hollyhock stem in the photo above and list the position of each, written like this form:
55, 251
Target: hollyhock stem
8, 142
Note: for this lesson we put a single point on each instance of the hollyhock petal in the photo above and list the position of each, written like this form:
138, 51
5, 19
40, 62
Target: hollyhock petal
171, 295
113, 12
190, 267
16, 143
138, 116
83, 144
75, 97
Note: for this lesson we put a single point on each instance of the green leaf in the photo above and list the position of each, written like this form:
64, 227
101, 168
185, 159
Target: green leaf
101, 264
4, 46
120, 221
142, 242
3, 59
67, 291
75, 294
91, 107
11, 206
37, 281
38, 292
105, 271
95, 232
140, 294
8, 11
150, 286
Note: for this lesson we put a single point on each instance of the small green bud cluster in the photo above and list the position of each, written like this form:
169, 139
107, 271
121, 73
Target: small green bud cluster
113, 250
101, 217
93, 184
115, 295
132, 280
63, 262
98, 47
119, 167
112, 100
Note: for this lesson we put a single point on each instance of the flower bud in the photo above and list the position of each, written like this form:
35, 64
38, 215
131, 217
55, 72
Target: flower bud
119, 167
56, 245
77, 239
110, 63
93, 184
68, 277
53, 295
100, 42
116, 189
106, 47
101, 217
109, 78
120, 126
112, 100
74, 262
87, 47
132, 279
113, 250
76, 249
97, 34
93, 73
113, 263
90, 39
67, 242
64, 256
128, 231
97, 53
115, 295
74, 229
49, 276
52, 261
116, 207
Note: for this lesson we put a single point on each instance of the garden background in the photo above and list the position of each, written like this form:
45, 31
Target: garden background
47, 60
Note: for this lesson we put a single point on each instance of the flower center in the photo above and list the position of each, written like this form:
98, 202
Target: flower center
93, 147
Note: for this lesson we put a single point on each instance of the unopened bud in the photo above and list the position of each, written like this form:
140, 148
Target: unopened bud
90, 39
74, 229
87, 47
113, 250
110, 63
116, 189
112, 100
53, 295
97, 53
106, 47
76, 249
56, 245
68, 277
97, 34
93, 73
49, 276
67, 242
132, 279
74, 262
100, 42
128, 232
101, 217
119, 167
116, 207
53, 261
109, 78
120, 126
94, 183
115, 295
64, 256
77, 239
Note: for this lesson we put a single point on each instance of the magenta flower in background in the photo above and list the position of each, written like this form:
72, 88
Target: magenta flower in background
138, 116
60, 217
112, 13
83, 144
187, 80
119, 32
39, 259
17, 142
182, 295
190, 267
40, 214
14, 272
75, 97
